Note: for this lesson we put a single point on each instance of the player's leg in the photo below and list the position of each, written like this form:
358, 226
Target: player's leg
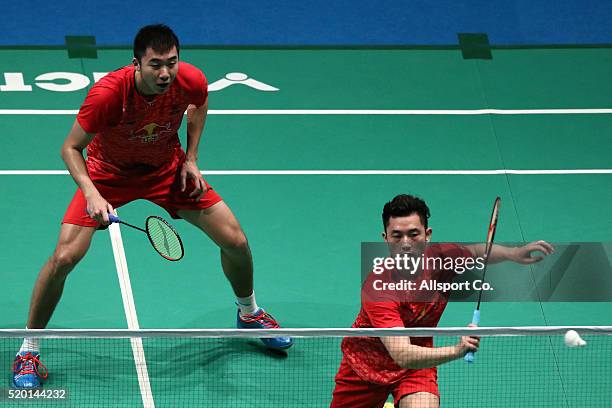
418, 389
420, 400
73, 242
211, 215
220, 224
74, 239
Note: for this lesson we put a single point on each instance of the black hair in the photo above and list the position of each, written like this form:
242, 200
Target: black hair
159, 37
404, 205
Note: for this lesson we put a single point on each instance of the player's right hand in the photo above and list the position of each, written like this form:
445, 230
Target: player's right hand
98, 209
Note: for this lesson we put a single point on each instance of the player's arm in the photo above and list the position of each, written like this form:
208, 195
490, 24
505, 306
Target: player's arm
522, 254
72, 154
408, 355
196, 119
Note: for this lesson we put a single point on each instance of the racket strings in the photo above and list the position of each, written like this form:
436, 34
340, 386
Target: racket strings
164, 239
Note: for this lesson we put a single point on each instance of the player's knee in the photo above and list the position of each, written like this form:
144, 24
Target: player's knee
236, 241
64, 260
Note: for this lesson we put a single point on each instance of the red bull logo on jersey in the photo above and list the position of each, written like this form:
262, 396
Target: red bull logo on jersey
152, 132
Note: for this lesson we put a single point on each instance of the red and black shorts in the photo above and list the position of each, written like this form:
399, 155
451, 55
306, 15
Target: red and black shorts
161, 187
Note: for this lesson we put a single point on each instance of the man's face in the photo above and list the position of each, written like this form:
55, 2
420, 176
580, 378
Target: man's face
157, 71
407, 235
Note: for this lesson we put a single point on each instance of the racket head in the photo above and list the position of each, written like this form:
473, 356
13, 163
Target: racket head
164, 238
492, 227
489, 243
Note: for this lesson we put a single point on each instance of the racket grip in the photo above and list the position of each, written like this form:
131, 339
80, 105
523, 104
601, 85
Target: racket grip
469, 356
113, 218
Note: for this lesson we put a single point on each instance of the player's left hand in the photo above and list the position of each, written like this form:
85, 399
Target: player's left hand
190, 171
523, 255
468, 343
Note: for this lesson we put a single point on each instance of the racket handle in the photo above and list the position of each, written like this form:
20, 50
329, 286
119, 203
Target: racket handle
469, 356
113, 218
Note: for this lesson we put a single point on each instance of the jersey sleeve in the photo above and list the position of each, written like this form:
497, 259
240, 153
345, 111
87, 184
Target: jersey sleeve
383, 314
454, 251
101, 109
380, 306
195, 83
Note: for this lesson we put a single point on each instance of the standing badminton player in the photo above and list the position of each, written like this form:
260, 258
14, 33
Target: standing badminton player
128, 123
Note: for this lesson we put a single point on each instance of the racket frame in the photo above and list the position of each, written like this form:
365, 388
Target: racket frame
114, 219
178, 237
469, 356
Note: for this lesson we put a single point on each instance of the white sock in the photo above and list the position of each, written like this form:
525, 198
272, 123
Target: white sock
247, 305
30, 344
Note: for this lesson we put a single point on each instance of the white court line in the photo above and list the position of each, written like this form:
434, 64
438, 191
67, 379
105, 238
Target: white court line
130, 315
395, 172
345, 172
348, 111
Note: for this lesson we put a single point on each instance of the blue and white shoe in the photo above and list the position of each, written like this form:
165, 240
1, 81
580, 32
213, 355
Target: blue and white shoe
262, 320
28, 371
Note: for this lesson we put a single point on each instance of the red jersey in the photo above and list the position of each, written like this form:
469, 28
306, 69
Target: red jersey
368, 356
136, 133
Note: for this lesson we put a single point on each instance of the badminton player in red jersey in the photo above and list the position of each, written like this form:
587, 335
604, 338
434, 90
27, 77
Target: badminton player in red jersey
373, 368
128, 123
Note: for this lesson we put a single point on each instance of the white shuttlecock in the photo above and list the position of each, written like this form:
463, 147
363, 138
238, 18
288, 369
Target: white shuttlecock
573, 339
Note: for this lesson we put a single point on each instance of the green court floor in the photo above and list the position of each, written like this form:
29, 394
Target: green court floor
305, 230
